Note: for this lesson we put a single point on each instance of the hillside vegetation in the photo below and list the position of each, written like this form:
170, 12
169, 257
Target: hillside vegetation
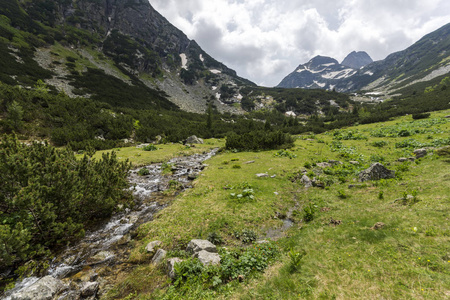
348, 240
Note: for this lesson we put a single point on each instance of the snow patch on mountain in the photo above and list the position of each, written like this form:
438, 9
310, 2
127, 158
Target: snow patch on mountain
183, 61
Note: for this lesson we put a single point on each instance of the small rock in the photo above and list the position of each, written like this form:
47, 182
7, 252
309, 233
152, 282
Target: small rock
159, 256
276, 193
262, 175
376, 172
101, 257
194, 140
262, 242
324, 165
249, 162
89, 289
447, 117
306, 181
171, 266
402, 159
196, 246
378, 225
335, 162
151, 247
192, 176
273, 176
354, 162
419, 153
207, 258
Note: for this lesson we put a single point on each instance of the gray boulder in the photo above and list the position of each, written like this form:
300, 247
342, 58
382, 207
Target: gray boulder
324, 165
151, 247
171, 266
194, 140
306, 181
44, 289
159, 256
419, 153
89, 289
376, 172
207, 258
196, 246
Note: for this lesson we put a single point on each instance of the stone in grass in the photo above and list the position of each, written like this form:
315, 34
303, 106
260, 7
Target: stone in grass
171, 266
262, 175
207, 258
306, 181
159, 256
196, 246
151, 247
376, 172
378, 225
419, 153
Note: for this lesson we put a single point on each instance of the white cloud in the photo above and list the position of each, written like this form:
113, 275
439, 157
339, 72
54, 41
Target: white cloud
264, 40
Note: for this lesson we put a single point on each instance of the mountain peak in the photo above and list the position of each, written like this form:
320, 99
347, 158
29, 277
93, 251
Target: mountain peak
357, 60
321, 61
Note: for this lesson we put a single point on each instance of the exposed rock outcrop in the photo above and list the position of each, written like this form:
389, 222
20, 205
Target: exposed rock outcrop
376, 172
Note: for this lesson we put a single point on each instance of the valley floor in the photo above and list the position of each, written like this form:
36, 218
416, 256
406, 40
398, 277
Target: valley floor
340, 253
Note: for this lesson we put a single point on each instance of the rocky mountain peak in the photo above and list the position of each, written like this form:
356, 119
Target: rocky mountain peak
357, 60
320, 61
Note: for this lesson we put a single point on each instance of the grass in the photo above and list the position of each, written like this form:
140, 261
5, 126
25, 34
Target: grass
409, 258
138, 157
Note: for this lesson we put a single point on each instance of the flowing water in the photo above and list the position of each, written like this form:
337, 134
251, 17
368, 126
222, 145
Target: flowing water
107, 246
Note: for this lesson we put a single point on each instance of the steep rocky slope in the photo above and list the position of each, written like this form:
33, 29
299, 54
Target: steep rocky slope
427, 59
127, 40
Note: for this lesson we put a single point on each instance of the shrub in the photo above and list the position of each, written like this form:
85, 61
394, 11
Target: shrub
215, 238
421, 116
150, 147
48, 197
284, 153
259, 140
143, 172
309, 212
379, 144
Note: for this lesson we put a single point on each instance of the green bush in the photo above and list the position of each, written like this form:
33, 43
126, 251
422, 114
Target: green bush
48, 197
150, 147
421, 116
143, 172
259, 140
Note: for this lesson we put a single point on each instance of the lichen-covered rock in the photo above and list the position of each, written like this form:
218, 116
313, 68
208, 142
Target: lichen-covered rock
196, 246
376, 172
419, 153
306, 181
171, 266
89, 289
207, 258
43, 289
152, 246
159, 256
194, 140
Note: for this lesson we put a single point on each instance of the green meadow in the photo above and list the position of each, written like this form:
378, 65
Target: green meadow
330, 248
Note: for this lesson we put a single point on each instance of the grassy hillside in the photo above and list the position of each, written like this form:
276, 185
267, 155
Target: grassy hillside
332, 250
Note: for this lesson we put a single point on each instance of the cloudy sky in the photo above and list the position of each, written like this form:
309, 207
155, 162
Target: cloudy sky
265, 40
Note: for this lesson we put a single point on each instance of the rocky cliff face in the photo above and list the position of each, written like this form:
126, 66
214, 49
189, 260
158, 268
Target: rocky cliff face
319, 73
125, 39
426, 60
357, 60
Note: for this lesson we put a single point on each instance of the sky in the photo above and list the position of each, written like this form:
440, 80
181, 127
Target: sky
265, 40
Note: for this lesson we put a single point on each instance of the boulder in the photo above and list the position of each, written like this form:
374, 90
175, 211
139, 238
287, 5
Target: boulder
306, 181
193, 140
324, 165
419, 153
376, 172
151, 247
171, 266
207, 258
159, 256
101, 258
378, 225
196, 246
44, 289
89, 289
